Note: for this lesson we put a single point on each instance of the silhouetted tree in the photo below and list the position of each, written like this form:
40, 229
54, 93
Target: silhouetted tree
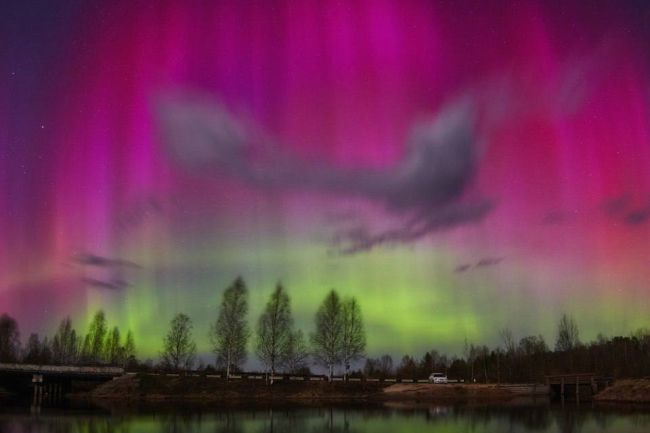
370, 367
483, 355
509, 348
470, 357
230, 333
129, 350
533, 348
295, 359
93, 346
385, 366
407, 369
568, 336
179, 348
114, 352
33, 350
46, 351
379, 367
65, 343
9, 339
327, 340
427, 365
353, 341
274, 331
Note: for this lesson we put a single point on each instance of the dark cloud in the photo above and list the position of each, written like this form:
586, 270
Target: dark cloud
617, 205
489, 261
624, 208
424, 187
637, 216
99, 261
484, 262
360, 239
103, 272
113, 284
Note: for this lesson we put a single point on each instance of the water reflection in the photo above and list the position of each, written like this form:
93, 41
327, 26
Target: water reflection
535, 418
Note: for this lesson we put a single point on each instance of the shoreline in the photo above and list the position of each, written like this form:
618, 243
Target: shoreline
626, 391
197, 391
148, 391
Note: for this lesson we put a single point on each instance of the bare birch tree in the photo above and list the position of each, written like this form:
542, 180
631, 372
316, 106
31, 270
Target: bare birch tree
568, 336
295, 359
353, 342
230, 333
274, 330
179, 347
327, 339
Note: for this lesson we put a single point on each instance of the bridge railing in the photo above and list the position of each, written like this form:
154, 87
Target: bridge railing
62, 369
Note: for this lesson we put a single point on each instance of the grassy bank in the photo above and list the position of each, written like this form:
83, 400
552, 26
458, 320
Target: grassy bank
189, 388
446, 393
151, 389
626, 391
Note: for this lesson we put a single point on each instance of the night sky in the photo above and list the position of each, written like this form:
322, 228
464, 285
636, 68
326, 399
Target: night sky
458, 166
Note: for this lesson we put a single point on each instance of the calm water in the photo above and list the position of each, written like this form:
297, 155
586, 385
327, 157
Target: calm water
544, 418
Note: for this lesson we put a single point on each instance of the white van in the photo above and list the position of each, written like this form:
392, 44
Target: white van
438, 378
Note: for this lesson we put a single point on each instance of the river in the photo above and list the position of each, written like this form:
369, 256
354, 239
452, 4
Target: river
387, 419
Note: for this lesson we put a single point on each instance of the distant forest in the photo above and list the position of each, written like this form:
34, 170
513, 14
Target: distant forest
337, 343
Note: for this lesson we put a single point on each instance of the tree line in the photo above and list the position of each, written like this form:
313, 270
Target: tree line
528, 359
338, 339
100, 345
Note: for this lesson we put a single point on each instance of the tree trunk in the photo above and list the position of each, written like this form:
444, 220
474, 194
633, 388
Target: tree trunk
498, 369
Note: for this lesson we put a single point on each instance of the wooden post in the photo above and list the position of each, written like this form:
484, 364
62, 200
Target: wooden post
594, 387
562, 386
578, 389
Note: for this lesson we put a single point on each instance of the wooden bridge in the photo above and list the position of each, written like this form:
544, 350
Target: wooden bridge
577, 383
51, 382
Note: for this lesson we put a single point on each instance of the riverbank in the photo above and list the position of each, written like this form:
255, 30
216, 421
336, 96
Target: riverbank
451, 393
201, 390
194, 389
626, 391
